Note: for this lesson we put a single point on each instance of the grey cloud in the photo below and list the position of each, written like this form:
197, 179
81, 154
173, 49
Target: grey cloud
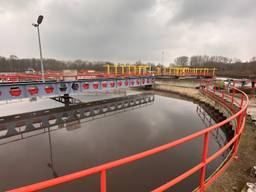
111, 30
128, 30
200, 11
14, 5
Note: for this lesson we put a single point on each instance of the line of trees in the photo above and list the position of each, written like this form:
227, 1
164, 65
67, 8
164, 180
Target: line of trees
225, 66
231, 67
14, 64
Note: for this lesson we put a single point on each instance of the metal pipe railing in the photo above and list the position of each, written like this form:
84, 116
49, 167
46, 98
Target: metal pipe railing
238, 116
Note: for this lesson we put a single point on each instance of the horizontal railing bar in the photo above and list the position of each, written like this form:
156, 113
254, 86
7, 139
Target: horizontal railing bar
219, 152
225, 166
113, 164
179, 178
219, 172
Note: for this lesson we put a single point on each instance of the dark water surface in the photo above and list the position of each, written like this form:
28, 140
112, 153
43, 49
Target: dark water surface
83, 145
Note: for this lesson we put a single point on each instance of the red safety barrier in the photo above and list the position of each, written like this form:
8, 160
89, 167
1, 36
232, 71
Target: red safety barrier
48, 89
33, 90
86, 85
238, 115
119, 83
104, 84
95, 85
15, 91
17, 77
112, 84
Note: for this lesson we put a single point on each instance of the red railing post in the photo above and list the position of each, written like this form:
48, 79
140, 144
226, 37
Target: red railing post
103, 181
232, 97
238, 127
204, 157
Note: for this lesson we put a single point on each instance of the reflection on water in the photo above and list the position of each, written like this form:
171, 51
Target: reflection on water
86, 144
21, 124
25, 105
209, 117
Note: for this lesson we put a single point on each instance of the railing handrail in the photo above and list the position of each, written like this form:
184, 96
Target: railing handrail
104, 167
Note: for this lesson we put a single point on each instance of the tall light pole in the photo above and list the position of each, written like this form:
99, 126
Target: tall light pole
39, 21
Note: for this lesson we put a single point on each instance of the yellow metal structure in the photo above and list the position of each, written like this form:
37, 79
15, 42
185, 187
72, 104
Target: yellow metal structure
137, 70
186, 71
125, 69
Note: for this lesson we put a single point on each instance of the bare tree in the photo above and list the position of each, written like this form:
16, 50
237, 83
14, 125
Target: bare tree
253, 59
181, 61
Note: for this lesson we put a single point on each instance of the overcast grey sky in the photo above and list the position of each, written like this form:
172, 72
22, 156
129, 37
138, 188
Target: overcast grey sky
129, 30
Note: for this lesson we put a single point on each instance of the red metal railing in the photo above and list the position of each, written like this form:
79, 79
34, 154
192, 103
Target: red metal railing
228, 101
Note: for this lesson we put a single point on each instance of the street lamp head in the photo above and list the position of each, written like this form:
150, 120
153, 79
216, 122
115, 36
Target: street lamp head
40, 19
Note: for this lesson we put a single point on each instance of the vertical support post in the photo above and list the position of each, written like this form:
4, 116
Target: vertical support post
158, 70
129, 69
134, 70
139, 70
122, 66
204, 157
115, 69
66, 99
108, 69
233, 95
103, 181
238, 127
